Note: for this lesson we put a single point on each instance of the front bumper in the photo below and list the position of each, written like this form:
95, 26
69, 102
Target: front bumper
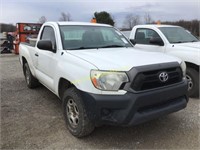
135, 108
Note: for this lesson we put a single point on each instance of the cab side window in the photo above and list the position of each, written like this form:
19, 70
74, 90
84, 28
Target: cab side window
49, 34
143, 36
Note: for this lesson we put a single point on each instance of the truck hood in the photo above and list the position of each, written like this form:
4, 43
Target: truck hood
192, 45
121, 59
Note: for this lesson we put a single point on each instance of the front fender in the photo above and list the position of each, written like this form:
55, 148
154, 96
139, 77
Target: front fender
76, 71
186, 55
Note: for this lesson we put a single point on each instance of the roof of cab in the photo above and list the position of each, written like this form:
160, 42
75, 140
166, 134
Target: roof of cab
156, 25
82, 23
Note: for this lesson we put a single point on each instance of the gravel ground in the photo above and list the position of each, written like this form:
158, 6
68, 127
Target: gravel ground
32, 119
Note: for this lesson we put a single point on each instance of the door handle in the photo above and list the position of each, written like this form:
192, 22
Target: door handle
36, 54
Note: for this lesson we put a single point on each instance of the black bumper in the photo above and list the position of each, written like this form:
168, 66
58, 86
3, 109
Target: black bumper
135, 108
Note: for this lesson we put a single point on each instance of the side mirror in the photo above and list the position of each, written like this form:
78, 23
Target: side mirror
133, 41
45, 45
156, 41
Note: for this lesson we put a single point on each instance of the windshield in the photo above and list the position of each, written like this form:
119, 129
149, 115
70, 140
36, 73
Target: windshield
88, 37
178, 35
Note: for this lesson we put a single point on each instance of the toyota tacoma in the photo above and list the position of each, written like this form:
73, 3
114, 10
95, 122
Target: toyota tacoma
101, 78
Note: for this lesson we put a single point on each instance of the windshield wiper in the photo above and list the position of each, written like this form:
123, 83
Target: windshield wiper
185, 41
110, 46
82, 47
178, 42
194, 41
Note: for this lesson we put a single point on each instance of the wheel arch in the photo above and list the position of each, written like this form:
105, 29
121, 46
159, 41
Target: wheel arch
23, 62
63, 84
192, 65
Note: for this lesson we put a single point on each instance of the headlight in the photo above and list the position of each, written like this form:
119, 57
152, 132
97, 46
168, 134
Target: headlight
108, 80
183, 67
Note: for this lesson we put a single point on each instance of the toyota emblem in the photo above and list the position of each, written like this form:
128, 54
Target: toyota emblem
163, 76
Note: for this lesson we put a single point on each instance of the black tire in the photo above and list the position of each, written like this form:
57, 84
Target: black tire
193, 82
80, 126
31, 81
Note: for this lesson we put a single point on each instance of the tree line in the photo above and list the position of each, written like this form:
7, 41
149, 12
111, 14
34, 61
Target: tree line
7, 27
129, 22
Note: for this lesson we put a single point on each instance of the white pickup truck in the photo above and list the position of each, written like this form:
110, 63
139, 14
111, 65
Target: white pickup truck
101, 78
172, 40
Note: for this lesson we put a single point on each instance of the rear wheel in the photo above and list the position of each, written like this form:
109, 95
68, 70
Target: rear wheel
193, 82
75, 114
31, 81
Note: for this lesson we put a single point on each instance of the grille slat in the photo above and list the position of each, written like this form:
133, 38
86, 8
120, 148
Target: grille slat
150, 79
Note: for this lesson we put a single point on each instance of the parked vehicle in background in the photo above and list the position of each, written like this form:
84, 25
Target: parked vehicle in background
6, 42
101, 78
25, 32
172, 40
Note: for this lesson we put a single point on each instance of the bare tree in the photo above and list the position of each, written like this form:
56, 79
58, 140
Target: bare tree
147, 18
65, 17
131, 20
42, 19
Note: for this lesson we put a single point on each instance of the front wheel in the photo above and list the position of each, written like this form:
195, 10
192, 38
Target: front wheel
75, 114
193, 82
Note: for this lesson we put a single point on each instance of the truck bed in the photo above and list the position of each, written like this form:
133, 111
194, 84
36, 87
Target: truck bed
32, 42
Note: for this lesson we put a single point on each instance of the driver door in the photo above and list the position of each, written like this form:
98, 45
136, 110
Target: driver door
47, 59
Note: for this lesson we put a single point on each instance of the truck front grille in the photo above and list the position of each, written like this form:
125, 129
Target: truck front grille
150, 79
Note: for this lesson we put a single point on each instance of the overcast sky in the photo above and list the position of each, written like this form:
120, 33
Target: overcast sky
13, 11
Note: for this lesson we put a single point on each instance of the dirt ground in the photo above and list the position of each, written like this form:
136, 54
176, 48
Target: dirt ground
32, 119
